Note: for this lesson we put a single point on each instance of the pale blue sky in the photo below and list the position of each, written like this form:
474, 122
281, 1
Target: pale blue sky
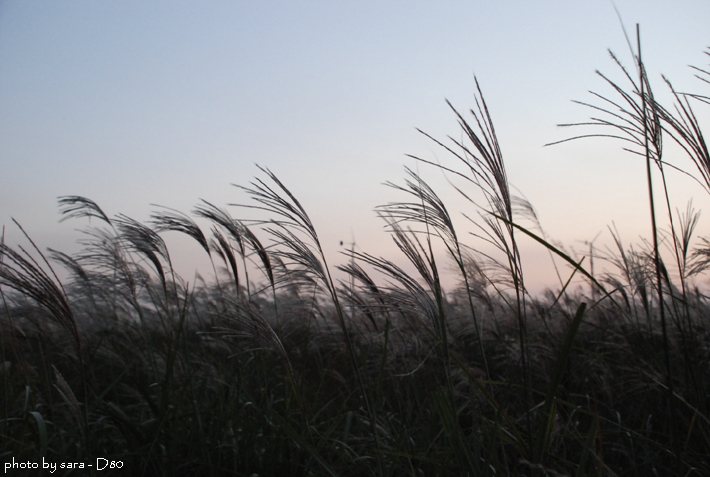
133, 103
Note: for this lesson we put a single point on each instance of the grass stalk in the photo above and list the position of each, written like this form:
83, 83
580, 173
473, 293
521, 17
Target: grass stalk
656, 256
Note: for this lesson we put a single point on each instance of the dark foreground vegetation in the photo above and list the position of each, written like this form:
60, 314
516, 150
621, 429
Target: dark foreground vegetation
381, 373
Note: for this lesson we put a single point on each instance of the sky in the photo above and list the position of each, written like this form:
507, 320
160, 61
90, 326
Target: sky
134, 103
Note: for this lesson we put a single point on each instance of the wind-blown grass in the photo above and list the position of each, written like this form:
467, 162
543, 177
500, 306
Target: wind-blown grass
380, 373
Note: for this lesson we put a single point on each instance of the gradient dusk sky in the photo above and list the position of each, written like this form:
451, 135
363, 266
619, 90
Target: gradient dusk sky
133, 103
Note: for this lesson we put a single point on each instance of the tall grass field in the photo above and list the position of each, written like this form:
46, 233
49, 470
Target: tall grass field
280, 363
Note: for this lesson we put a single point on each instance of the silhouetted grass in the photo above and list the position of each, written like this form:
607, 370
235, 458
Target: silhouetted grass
384, 372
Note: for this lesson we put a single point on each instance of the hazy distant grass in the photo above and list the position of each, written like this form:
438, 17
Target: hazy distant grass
291, 372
